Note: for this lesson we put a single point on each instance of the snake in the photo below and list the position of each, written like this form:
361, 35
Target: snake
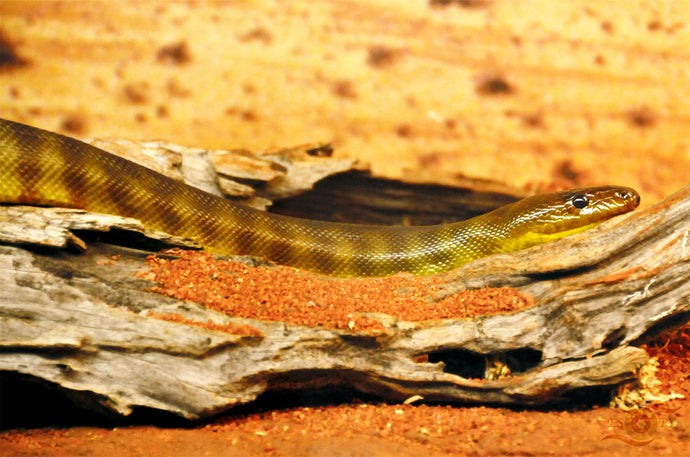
39, 167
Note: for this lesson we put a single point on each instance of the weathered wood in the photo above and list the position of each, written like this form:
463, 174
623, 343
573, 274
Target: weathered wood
79, 322
274, 174
55, 227
282, 178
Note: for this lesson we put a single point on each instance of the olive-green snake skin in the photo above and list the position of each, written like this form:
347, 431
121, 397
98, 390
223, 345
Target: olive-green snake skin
43, 168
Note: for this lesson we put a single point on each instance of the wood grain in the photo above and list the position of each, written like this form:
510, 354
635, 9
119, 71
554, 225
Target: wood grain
82, 324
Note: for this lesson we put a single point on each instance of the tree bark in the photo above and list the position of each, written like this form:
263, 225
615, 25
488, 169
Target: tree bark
74, 320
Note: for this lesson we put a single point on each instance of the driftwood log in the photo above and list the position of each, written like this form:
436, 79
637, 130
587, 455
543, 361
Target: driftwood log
73, 320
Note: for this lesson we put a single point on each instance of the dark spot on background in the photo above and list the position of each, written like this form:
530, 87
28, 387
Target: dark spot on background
260, 34
654, 26
174, 54
175, 89
566, 171
404, 130
249, 115
642, 117
381, 56
74, 124
344, 89
600, 60
136, 94
533, 120
9, 59
494, 85
244, 114
430, 160
607, 26
462, 3
411, 101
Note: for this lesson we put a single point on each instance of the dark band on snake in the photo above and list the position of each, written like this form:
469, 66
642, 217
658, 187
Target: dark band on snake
38, 167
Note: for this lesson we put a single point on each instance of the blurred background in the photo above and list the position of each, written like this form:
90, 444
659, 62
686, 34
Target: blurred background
535, 94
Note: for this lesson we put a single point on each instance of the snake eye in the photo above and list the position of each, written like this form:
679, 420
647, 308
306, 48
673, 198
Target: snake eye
580, 201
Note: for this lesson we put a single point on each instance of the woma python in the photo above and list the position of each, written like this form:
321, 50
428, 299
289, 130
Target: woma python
44, 168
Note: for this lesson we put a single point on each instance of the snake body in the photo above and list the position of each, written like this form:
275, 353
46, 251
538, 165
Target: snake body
44, 168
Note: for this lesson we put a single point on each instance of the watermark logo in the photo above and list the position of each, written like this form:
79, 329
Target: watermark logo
639, 427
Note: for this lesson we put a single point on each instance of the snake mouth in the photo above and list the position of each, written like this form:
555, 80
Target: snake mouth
608, 203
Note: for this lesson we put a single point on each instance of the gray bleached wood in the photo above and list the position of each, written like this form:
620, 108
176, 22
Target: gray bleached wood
73, 320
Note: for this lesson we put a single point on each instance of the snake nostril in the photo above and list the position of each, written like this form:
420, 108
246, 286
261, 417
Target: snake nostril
632, 197
626, 195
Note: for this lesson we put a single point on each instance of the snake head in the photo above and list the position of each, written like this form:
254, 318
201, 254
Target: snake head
541, 218
578, 209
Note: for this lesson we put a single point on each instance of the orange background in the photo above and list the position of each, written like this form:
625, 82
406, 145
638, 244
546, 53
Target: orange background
532, 93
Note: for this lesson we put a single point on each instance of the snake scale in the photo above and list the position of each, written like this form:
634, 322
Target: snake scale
44, 168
